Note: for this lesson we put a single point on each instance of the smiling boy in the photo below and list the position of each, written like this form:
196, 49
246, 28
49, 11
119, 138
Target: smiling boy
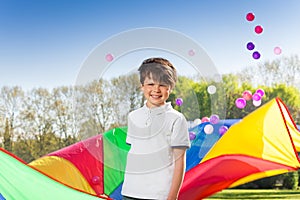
158, 136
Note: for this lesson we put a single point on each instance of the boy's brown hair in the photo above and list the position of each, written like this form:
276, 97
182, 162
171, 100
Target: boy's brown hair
160, 70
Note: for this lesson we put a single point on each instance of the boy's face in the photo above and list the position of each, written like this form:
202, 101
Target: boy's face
155, 93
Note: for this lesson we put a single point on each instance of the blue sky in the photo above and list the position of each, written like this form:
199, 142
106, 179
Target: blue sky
43, 43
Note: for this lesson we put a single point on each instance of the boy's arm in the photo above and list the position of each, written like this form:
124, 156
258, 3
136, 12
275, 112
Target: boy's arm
179, 154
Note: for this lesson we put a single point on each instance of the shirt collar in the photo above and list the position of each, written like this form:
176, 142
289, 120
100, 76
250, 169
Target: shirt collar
158, 110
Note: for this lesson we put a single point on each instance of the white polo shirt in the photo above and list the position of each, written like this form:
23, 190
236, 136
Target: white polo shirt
152, 134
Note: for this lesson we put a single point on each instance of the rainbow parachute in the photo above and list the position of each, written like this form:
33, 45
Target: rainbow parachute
264, 143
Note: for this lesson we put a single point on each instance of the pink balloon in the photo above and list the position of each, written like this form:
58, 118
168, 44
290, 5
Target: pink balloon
258, 29
247, 95
277, 50
96, 180
109, 57
191, 52
204, 119
250, 17
240, 103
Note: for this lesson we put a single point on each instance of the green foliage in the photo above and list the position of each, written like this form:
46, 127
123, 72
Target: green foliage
264, 183
289, 95
22, 149
256, 194
290, 180
200, 89
184, 89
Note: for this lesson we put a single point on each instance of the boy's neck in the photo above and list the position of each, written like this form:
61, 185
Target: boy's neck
151, 106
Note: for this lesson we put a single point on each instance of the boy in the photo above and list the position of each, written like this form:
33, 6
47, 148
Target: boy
158, 136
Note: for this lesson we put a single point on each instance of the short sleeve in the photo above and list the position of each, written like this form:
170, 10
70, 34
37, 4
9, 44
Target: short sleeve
180, 134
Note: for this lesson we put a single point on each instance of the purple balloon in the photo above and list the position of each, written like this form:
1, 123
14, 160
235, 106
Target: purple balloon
261, 92
256, 55
223, 129
192, 135
250, 46
240, 103
256, 97
179, 101
214, 119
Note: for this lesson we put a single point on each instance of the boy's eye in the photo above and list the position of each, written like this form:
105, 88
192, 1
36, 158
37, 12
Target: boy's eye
152, 85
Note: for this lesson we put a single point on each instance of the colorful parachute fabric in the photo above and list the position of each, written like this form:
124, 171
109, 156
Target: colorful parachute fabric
264, 143
95, 165
19, 181
204, 142
258, 146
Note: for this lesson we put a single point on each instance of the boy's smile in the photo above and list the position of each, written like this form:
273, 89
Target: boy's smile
155, 93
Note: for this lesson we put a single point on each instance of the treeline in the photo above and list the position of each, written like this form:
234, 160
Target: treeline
39, 121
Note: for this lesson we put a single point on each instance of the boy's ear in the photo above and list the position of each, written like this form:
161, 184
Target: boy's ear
142, 87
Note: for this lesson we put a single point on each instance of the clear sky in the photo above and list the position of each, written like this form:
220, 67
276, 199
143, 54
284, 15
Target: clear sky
43, 43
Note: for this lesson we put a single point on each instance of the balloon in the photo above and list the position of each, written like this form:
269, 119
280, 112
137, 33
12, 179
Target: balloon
256, 103
247, 95
277, 50
256, 55
197, 122
192, 135
208, 129
204, 119
211, 89
214, 119
109, 57
223, 129
240, 103
258, 29
250, 16
261, 92
96, 180
250, 46
179, 101
256, 97
191, 52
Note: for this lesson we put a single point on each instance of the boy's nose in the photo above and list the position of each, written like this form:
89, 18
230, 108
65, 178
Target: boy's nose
156, 87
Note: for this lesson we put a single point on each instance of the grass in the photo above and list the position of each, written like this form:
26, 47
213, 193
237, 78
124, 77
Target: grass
255, 194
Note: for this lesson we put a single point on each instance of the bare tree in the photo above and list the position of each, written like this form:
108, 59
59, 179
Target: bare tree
10, 103
38, 121
285, 70
127, 96
93, 108
63, 114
